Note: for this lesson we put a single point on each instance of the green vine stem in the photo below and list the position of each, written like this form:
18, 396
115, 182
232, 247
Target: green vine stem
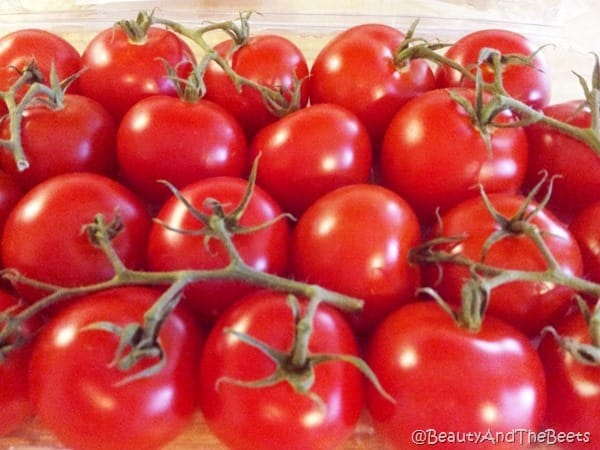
419, 48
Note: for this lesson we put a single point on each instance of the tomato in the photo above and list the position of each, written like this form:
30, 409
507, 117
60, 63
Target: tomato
311, 152
585, 227
356, 240
270, 60
19, 48
15, 405
528, 306
10, 193
356, 69
71, 372
79, 136
529, 83
573, 387
565, 156
453, 387
167, 138
276, 416
265, 249
434, 156
119, 72
44, 237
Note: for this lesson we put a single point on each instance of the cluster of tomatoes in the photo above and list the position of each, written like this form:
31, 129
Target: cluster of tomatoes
379, 155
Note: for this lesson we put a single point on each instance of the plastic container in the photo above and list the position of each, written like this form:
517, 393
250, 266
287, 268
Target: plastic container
563, 27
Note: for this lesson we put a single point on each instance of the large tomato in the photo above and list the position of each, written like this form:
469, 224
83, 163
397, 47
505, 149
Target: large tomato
276, 416
82, 398
119, 71
311, 152
356, 69
270, 60
585, 227
356, 240
264, 249
44, 236
573, 387
167, 138
434, 155
454, 388
528, 305
559, 154
527, 82
78, 136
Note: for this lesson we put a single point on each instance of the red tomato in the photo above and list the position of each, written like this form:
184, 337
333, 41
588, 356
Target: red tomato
311, 152
163, 137
527, 305
77, 137
356, 69
44, 238
119, 72
10, 193
19, 48
264, 250
562, 155
276, 416
449, 381
71, 373
434, 156
270, 60
356, 240
527, 83
585, 227
15, 405
573, 387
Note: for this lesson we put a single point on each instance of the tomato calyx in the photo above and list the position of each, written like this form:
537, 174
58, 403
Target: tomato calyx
137, 29
297, 366
583, 353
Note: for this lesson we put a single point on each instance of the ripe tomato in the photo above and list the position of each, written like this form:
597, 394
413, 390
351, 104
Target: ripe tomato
119, 72
585, 227
528, 306
448, 379
71, 373
79, 136
19, 48
44, 238
529, 83
356, 240
573, 387
10, 193
270, 60
15, 405
356, 69
565, 156
265, 249
163, 137
311, 152
276, 416
434, 156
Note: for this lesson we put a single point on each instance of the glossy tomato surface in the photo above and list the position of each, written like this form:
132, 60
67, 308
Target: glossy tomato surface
585, 227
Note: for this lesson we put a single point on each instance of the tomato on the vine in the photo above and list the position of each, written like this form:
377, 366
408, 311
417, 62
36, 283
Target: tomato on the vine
356, 69
585, 227
356, 240
168, 138
119, 71
527, 79
449, 379
270, 60
87, 402
528, 305
77, 136
275, 415
264, 249
44, 236
434, 155
310, 152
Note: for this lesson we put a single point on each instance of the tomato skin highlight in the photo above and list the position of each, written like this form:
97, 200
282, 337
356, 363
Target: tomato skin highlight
70, 372
275, 416
449, 379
